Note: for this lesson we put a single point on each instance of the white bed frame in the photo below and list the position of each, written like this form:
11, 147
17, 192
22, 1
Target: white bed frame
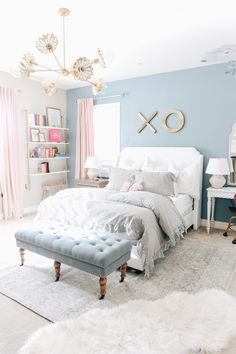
179, 156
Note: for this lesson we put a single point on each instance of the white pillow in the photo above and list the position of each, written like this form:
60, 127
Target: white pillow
188, 180
157, 182
118, 176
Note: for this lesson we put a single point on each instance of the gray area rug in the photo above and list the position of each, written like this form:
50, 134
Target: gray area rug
197, 262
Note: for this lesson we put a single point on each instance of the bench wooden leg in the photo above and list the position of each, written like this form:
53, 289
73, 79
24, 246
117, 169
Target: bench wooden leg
57, 267
22, 256
103, 285
123, 269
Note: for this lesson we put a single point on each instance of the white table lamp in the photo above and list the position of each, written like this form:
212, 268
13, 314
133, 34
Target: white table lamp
93, 164
218, 167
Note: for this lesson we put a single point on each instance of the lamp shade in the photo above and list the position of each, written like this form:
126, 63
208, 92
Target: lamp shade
92, 162
218, 166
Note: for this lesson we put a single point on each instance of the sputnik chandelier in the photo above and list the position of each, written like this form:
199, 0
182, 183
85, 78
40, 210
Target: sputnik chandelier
82, 69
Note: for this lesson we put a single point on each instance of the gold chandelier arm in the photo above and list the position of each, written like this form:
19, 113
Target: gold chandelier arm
64, 42
57, 61
53, 70
95, 61
44, 67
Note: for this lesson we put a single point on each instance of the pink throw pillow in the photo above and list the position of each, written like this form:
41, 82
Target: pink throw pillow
126, 186
136, 187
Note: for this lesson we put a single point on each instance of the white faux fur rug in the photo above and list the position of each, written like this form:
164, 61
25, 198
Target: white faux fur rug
177, 324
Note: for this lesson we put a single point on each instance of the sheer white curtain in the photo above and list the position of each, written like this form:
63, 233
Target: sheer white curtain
11, 183
84, 135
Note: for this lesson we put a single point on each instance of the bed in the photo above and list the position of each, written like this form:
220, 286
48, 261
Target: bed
151, 221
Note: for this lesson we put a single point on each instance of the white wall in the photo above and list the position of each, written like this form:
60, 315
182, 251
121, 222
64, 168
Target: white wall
31, 97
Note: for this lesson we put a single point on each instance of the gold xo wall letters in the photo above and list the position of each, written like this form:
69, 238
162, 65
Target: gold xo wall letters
147, 121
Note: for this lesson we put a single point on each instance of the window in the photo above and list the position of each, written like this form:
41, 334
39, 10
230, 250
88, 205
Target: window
107, 132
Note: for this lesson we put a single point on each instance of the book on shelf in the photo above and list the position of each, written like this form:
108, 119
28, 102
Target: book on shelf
38, 119
43, 152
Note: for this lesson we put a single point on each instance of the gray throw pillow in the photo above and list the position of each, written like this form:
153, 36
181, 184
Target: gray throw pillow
157, 182
118, 176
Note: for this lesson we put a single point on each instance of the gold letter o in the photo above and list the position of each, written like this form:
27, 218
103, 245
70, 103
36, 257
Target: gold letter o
181, 123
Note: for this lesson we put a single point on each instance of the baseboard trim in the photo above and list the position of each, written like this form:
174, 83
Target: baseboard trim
29, 210
216, 224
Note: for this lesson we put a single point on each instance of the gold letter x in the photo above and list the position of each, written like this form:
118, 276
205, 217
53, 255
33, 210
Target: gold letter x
147, 122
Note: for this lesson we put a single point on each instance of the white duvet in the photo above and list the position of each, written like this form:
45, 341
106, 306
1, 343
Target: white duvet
147, 219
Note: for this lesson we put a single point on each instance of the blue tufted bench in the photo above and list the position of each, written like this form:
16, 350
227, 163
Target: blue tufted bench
96, 254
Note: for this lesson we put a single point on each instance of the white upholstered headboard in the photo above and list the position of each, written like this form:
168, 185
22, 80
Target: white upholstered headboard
179, 156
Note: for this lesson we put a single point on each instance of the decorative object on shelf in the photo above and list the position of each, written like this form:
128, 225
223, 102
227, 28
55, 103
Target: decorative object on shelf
181, 123
35, 153
93, 164
42, 137
82, 69
54, 135
34, 134
147, 122
223, 54
44, 167
55, 151
218, 167
54, 117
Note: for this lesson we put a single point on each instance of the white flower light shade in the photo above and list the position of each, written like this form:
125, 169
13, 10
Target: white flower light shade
98, 86
49, 87
218, 167
93, 164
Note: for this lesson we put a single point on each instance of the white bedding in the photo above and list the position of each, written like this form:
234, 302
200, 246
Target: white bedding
149, 219
184, 203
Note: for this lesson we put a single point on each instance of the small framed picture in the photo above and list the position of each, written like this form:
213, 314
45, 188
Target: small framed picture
42, 137
54, 117
34, 133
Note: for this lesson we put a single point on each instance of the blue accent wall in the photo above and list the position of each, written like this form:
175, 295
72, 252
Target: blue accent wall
206, 96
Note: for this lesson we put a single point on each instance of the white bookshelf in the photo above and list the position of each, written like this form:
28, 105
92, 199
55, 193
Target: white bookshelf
38, 152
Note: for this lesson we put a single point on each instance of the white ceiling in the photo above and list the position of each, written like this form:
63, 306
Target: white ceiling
144, 36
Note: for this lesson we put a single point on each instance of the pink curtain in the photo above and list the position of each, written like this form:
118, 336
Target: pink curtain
84, 135
10, 155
